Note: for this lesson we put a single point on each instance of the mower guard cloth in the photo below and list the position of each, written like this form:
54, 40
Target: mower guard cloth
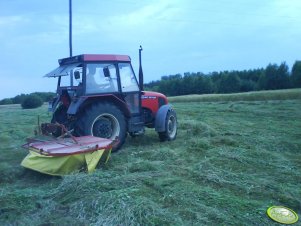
63, 165
59, 157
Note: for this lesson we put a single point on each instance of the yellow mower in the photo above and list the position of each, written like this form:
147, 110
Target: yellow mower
65, 154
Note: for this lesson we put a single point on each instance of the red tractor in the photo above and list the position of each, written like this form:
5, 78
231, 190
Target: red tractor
100, 95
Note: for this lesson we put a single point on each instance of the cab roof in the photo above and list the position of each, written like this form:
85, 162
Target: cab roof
94, 58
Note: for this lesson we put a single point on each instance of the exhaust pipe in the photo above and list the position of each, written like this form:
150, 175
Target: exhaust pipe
140, 70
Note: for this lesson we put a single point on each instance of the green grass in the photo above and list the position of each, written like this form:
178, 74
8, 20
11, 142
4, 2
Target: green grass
285, 94
229, 163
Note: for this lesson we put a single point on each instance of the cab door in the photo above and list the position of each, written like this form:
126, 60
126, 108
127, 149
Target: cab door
129, 88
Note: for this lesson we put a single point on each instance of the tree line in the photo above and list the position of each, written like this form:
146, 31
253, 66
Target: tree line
270, 78
19, 99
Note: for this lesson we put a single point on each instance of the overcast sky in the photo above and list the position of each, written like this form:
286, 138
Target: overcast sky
177, 36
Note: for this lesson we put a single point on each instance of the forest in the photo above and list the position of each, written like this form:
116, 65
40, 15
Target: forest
44, 96
270, 78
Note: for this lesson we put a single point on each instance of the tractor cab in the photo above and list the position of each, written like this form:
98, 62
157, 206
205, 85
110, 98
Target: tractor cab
96, 75
99, 95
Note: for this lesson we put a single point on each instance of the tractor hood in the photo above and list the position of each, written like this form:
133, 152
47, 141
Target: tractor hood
63, 70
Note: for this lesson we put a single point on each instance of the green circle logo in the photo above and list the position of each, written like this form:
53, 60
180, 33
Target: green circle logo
282, 214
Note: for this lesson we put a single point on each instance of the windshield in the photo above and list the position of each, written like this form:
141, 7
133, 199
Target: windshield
70, 75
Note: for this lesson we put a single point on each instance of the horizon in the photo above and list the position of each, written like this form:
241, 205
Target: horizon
177, 36
182, 74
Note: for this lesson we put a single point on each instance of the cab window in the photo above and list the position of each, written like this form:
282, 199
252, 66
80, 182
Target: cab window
68, 73
127, 78
101, 78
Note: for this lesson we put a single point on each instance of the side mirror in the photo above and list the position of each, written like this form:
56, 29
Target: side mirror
76, 75
106, 72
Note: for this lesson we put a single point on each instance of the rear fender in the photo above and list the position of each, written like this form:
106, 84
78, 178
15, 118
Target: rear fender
53, 104
75, 105
83, 102
161, 117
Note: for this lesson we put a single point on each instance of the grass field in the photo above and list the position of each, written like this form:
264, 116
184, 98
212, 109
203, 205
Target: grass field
284, 94
230, 162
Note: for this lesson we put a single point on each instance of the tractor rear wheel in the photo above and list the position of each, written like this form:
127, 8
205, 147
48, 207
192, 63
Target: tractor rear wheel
103, 120
171, 129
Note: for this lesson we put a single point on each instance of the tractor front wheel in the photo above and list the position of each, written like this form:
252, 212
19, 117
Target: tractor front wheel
103, 120
171, 127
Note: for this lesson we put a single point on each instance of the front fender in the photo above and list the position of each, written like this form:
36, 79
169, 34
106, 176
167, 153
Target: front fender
161, 117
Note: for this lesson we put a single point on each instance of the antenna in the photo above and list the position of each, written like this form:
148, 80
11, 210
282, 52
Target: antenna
70, 27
